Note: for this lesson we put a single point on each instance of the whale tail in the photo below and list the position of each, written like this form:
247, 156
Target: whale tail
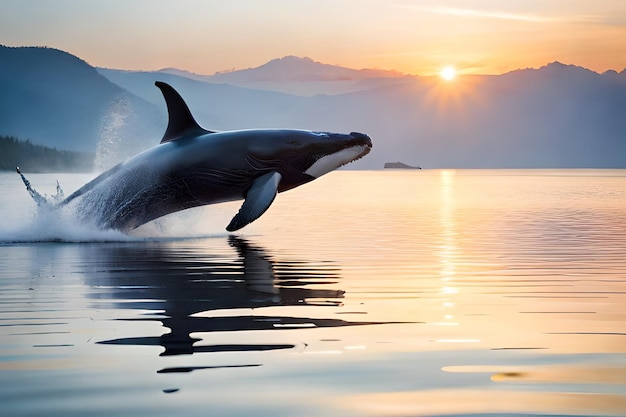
41, 200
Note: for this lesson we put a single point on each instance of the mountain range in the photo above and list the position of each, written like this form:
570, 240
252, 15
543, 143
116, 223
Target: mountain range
299, 76
554, 116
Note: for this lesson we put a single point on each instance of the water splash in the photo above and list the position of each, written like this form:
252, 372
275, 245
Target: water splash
49, 221
39, 199
50, 224
59, 224
113, 124
38, 217
42, 200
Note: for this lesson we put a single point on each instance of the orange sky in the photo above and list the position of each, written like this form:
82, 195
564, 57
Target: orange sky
417, 37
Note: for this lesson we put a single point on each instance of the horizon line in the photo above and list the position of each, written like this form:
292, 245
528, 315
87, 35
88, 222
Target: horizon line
306, 57
400, 73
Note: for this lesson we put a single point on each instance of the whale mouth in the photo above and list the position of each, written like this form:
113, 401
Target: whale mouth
354, 149
361, 144
363, 141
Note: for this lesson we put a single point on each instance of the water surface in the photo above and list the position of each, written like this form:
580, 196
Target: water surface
381, 293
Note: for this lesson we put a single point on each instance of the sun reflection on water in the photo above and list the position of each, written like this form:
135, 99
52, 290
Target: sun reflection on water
448, 244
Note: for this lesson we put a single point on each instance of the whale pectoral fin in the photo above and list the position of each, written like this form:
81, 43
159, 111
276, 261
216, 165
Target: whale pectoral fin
258, 199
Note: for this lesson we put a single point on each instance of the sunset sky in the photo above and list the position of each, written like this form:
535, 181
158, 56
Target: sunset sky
416, 37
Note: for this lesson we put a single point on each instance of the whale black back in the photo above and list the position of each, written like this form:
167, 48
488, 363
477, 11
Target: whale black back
181, 122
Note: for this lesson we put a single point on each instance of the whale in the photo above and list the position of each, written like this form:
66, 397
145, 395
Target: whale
193, 166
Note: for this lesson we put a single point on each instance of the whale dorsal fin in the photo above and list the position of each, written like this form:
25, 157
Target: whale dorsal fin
180, 122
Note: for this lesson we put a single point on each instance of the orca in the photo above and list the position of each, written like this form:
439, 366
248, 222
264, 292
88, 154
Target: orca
192, 167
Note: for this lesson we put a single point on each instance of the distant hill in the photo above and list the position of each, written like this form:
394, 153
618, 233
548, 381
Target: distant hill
293, 68
36, 158
57, 99
299, 76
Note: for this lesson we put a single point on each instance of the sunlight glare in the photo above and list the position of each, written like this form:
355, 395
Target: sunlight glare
448, 73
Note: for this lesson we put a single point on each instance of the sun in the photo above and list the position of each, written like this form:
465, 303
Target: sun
448, 73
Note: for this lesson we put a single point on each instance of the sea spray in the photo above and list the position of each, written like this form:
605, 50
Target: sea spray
46, 224
39, 199
51, 224
23, 220
48, 221
109, 148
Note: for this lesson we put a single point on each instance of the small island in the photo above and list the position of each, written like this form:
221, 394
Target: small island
399, 165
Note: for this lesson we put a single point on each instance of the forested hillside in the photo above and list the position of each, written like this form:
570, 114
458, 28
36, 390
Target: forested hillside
36, 158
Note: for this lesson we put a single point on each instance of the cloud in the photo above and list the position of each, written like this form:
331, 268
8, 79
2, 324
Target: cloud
610, 19
456, 11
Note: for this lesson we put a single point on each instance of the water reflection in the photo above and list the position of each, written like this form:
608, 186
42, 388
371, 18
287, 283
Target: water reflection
183, 288
447, 247
517, 278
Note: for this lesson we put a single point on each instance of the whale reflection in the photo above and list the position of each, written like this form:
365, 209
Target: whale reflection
175, 284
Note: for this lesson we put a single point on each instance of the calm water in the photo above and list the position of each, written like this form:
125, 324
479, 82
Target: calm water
383, 293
